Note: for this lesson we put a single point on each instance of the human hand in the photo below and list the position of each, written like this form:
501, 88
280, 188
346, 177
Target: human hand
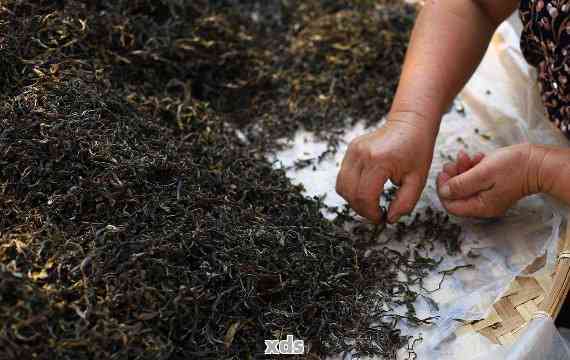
402, 151
487, 186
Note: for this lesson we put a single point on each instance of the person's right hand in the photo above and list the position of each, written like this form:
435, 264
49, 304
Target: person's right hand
401, 151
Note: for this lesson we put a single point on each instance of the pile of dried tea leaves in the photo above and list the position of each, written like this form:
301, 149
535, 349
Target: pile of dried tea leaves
136, 223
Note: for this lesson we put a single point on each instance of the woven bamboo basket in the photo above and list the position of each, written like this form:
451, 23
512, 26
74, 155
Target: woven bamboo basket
528, 297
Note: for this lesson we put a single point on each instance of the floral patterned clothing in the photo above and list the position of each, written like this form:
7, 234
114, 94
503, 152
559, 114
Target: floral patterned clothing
545, 43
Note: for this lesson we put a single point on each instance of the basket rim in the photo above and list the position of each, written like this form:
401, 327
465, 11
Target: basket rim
561, 282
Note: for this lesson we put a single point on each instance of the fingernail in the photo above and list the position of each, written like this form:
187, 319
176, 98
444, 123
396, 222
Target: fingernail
445, 191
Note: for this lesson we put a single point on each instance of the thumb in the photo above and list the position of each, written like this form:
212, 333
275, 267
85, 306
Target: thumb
406, 198
467, 184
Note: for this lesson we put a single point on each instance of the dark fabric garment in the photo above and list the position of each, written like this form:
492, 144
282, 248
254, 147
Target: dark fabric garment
545, 43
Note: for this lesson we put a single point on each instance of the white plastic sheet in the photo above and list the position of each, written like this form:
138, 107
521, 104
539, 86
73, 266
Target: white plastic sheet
502, 104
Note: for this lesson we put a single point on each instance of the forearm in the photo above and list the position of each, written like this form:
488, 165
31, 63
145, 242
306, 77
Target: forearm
448, 42
552, 171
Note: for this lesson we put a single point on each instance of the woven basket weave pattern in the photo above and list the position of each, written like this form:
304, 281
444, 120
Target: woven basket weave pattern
527, 297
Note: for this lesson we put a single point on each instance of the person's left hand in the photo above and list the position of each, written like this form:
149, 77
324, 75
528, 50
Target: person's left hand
487, 186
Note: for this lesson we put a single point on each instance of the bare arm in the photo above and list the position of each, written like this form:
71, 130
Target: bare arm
448, 42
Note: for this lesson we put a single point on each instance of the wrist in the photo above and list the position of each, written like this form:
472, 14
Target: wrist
428, 125
536, 169
547, 165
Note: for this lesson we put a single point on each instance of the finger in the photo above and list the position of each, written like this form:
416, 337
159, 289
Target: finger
442, 178
406, 198
477, 158
367, 198
467, 184
450, 169
348, 176
470, 207
463, 162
